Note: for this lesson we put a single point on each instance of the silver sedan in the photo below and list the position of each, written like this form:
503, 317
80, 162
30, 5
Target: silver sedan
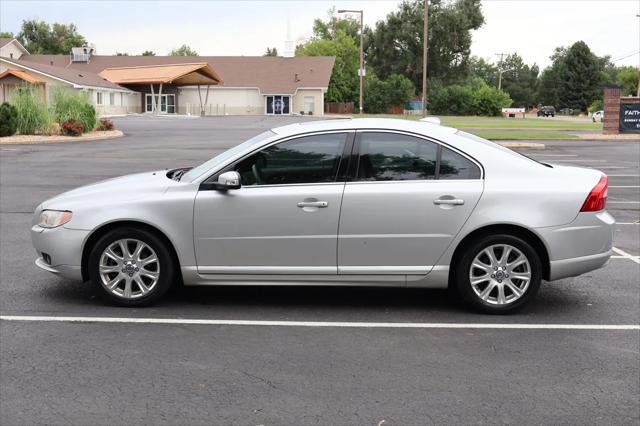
363, 202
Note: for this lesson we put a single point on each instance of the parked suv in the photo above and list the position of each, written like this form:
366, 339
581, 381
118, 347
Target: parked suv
547, 111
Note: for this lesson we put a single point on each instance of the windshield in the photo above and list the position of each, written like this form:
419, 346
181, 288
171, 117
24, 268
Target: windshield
497, 146
196, 172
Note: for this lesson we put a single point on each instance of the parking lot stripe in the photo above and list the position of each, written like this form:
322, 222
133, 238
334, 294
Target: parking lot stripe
624, 186
626, 255
336, 324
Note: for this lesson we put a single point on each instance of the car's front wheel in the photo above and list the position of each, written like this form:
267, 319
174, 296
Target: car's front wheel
498, 274
131, 267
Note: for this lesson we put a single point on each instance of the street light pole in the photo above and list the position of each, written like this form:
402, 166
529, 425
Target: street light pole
425, 50
361, 69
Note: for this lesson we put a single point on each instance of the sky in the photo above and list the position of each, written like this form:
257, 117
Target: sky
531, 28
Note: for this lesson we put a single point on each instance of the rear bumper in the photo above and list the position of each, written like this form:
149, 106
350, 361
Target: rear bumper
581, 246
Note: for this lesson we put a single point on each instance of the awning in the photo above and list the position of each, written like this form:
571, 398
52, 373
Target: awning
22, 75
177, 74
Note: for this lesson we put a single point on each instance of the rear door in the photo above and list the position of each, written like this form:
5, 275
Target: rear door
406, 200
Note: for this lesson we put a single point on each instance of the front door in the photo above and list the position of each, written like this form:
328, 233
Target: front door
284, 218
167, 104
408, 200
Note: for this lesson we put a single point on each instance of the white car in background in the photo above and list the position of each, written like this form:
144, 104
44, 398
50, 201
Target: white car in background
598, 116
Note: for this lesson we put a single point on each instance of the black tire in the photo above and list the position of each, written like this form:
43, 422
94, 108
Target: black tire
462, 282
166, 266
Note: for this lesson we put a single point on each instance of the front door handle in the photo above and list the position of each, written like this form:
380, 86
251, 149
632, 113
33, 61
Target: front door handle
449, 201
321, 204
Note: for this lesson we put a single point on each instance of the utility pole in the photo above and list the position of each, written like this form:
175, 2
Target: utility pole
361, 70
425, 51
500, 70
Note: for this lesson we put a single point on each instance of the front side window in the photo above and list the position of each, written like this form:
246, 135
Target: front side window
392, 156
455, 166
308, 159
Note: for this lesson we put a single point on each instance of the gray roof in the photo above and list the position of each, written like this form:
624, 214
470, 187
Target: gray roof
4, 41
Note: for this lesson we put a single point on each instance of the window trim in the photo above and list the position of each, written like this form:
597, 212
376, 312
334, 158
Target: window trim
208, 183
353, 171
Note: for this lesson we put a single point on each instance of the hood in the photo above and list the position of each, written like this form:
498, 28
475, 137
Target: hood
120, 189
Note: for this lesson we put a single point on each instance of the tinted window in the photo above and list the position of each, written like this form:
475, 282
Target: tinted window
391, 156
309, 159
455, 166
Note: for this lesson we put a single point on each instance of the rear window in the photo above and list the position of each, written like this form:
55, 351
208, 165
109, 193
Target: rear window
500, 147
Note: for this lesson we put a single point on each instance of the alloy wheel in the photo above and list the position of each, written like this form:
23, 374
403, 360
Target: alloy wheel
500, 274
129, 268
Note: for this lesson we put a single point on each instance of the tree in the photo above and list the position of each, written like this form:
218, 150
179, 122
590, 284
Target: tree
343, 86
148, 53
183, 50
628, 78
519, 80
328, 30
38, 37
394, 46
479, 67
6, 34
271, 51
574, 79
381, 94
121, 54
473, 98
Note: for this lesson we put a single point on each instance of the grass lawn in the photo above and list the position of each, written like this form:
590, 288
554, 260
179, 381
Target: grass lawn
497, 123
524, 135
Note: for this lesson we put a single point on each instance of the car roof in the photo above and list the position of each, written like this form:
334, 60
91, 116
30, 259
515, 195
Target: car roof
420, 127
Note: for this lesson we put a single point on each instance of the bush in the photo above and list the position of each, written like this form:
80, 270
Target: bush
105, 124
8, 119
73, 105
381, 95
72, 127
476, 98
596, 105
33, 114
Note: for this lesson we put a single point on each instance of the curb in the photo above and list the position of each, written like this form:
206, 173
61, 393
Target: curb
515, 144
37, 140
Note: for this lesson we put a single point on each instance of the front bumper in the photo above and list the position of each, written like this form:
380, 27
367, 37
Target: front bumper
581, 246
59, 250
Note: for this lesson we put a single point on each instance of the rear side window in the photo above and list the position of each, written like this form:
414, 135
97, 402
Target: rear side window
455, 166
308, 159
391, 156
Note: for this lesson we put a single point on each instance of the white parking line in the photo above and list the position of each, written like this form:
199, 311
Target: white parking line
625, 255
624, 186
424, 325
555, 155
622, 202
623, 175
576, 161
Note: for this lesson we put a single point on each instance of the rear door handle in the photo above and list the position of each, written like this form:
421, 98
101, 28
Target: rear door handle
321, 204
451, 202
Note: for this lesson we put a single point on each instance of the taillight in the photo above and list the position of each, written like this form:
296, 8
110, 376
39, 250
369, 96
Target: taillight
597, 198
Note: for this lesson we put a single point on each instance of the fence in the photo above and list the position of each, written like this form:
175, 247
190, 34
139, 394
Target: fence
338, 107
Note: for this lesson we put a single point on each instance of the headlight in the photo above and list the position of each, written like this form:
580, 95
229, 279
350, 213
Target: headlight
54, 218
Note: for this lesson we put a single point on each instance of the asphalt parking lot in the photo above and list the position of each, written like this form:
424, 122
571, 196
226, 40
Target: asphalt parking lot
573, 359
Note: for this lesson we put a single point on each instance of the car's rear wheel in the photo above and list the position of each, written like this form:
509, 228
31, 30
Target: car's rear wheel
131, 267
498, 274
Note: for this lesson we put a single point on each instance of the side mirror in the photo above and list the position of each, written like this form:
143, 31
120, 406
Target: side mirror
228, 180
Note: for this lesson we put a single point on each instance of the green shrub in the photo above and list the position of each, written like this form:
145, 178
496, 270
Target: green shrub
33, 114
596, 105
475, 98
380, 95
68, 104
8, 119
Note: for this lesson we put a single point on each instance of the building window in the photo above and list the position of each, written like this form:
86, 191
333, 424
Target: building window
112, 99
11, 55
309, 104
167, 103
121, 99
278, 104
99, 98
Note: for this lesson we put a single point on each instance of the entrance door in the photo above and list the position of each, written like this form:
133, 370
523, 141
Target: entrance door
407, 202
167, 103
278, 104
284, 218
